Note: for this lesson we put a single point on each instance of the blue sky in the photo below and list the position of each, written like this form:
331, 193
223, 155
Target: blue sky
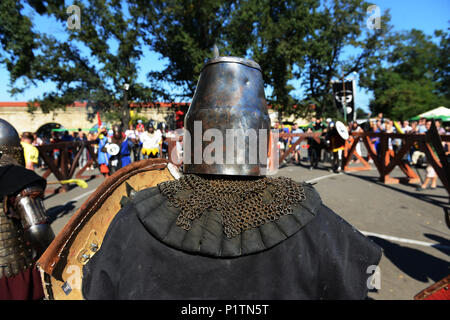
405, 15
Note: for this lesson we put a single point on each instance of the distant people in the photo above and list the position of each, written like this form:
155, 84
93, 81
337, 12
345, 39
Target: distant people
66, 136
75, 136
285, 129
337, 146
56, 151
317, 126
162, 127
84, 154
381, 120
430, 177
91, 136
427, 125
439, 127
37, 142
414, 126
312, 156
140, 130
140, 125
122, 158
102, 155
151, 140
406, 127
376, 141
356, 128
31, 153
421, 128
131, 134
179, 119
317, 146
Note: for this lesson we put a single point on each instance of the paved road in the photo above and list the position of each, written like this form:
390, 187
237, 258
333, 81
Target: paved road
408, 225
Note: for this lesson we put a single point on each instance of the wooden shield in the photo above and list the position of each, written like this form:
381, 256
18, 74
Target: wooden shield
62, 263
438, 291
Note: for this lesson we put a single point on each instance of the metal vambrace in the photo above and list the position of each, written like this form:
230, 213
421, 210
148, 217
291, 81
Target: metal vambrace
29, 206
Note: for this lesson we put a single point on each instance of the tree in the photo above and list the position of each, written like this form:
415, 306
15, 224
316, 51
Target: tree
93, 64
415, 78
17, 39
278, 42
184, 32
340, 29
291, 40
361, 114
270, 32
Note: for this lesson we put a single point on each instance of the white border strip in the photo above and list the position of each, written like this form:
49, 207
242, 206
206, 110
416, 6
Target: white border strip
81, 196
323, 177
403, 240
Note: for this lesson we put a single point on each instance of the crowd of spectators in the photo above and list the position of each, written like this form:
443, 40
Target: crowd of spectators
321, 151
146, 141
150, 141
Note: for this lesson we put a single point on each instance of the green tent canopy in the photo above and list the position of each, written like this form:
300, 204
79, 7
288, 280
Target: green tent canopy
62, 130
441, 113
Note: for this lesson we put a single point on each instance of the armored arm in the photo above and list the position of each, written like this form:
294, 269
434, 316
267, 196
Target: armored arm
29, 207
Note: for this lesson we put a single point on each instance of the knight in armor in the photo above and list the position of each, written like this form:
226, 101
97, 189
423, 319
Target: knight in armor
336, 147
226, 230
24, 231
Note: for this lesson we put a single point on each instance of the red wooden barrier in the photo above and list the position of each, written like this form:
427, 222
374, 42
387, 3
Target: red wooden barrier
429, 143
64, 167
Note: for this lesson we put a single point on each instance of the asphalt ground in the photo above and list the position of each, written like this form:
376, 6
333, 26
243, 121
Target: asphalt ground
409, 225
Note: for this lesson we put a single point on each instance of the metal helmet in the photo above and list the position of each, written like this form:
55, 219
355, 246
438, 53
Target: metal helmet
230, 100
151, 124
11, 151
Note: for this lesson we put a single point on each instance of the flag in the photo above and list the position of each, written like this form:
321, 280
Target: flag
99, 121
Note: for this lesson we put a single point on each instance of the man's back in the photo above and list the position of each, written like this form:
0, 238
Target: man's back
308, 254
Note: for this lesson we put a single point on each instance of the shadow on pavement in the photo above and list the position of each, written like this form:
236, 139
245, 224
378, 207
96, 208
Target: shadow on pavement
415, 263
430, 198
70, 187
306, 165
444, 244
59, 211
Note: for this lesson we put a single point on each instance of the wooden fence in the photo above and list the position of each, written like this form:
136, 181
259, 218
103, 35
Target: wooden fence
429, 143
66, 163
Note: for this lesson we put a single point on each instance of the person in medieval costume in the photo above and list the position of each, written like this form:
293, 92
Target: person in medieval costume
119, 149
151, 141
226, 230
24, 231
336, 136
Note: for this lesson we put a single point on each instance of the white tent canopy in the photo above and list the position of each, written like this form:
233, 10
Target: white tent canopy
435, 113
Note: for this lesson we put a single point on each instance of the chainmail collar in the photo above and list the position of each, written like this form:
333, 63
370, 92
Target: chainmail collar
11, 155
244, 203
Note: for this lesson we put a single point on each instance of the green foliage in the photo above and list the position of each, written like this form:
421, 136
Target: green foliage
291, 40
415, 79
278, 43
341, 26
361, 114
185, 33
16, 39
296, 42
92, 65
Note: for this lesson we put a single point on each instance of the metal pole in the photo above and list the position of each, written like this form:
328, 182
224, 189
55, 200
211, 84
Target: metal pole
344, 100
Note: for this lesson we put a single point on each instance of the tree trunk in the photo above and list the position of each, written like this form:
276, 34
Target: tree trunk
125, 111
